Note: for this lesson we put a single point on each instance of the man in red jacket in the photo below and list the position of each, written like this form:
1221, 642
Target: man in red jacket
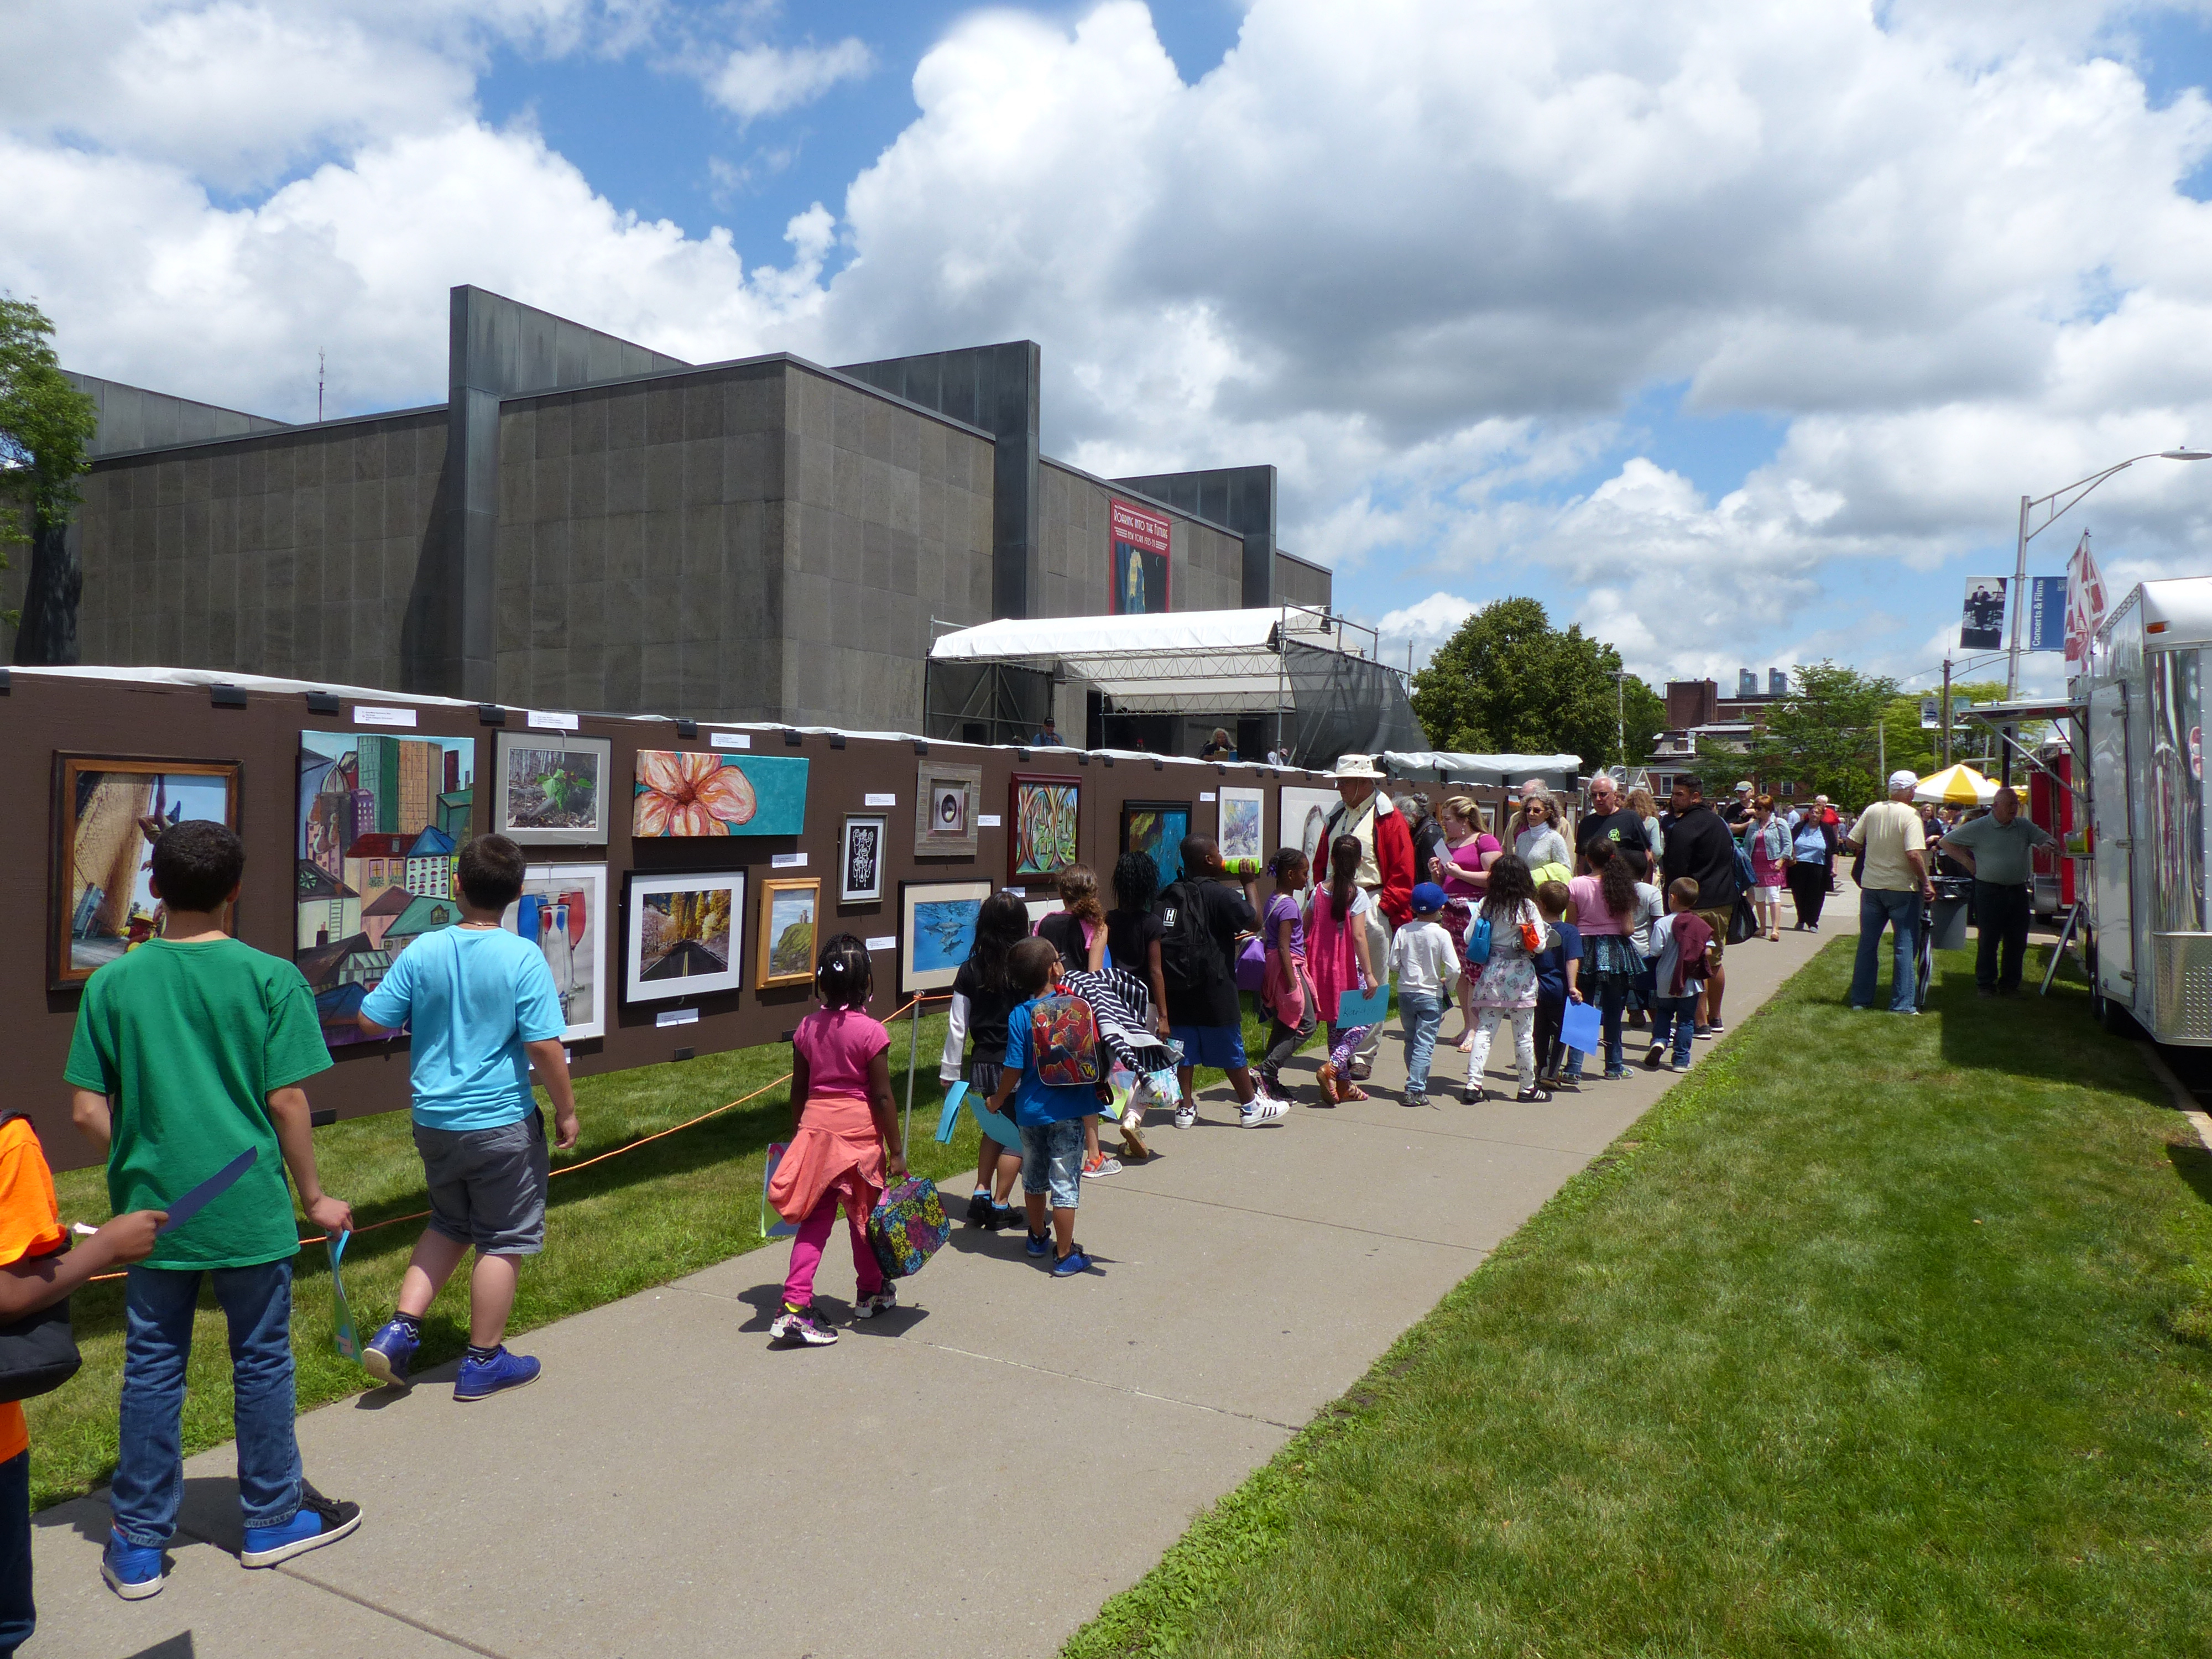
1386, 865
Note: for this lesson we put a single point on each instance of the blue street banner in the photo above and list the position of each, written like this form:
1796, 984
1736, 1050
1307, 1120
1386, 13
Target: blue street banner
2046, 613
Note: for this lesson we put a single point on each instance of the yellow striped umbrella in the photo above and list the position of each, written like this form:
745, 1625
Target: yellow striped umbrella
1956, 786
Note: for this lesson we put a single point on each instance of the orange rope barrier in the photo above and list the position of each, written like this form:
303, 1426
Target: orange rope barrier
571, 1169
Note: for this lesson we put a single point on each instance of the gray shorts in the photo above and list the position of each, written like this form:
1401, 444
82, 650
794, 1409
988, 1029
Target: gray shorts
488, 1185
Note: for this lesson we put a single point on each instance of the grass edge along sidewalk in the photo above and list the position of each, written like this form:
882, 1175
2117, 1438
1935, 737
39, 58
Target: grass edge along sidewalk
658, 1211
1874, 1336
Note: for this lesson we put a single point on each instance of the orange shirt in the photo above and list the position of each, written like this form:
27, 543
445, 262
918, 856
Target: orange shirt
30, 1225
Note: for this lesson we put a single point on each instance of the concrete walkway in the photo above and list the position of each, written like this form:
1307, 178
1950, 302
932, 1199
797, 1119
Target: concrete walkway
975, 1474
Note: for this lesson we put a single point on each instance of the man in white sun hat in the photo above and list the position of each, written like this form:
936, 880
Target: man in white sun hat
1891, 890
1386, 865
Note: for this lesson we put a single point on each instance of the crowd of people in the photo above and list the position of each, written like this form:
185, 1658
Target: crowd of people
190, 1054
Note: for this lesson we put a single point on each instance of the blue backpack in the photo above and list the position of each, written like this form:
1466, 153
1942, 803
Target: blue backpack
1478, 941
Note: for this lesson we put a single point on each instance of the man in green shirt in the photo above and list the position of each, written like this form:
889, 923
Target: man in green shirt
1996, 851
187, 1059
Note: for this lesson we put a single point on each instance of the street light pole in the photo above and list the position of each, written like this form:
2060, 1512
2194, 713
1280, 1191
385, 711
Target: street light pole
2074, 493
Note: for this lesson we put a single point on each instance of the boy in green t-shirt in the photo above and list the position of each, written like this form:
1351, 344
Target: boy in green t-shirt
188, 1055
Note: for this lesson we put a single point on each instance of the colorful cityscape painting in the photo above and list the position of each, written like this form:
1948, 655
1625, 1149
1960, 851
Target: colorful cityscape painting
380, 826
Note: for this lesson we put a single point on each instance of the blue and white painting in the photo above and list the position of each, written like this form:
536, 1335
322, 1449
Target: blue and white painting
938, 932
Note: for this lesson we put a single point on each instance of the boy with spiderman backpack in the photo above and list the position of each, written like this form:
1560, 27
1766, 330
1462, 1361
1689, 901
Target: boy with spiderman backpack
1054, 1075
1202, 918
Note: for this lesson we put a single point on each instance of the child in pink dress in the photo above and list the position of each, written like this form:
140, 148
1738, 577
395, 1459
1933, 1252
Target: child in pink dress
1337, 953
844, 1141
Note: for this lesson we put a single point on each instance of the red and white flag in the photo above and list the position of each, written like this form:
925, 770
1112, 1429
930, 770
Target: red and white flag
2085, 605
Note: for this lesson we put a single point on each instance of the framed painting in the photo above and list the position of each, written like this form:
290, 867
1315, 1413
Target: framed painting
789, 910
701, 791
1244, 832
109, 812
860, 858
937, 929
551, 788
1157, 827
1039, 908
1041, 819
947, 800
681, 935
1304, 822
563, 911
381, 821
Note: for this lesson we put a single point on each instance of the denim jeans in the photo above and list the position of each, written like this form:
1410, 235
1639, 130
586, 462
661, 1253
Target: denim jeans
1675, 1017
1422, 1014
2001, 911
157, 1340
19, 1617
1052, 1161
1901, 910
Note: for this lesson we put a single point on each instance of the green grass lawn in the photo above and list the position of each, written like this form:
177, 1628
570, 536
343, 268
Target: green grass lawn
1877, 1336
633, 1222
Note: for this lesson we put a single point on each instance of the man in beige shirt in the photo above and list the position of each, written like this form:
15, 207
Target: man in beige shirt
1892, 889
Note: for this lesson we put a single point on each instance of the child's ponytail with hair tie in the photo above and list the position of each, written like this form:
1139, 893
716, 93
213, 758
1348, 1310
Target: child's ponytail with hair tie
844, 977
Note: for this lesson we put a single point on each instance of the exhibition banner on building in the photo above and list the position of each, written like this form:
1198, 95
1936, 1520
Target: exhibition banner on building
2046, 613
1140, 538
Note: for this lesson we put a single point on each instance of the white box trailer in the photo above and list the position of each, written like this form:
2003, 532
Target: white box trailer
2148, 948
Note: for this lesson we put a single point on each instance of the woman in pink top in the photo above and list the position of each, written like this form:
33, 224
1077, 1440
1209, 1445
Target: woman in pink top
844, 1140
1605, 903
1464, 873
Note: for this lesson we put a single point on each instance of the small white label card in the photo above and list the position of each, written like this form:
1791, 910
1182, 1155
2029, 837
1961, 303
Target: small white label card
729, 739
885, 942
369, 714
881, 800
987, 820
677, 1017
788, 861
543, 722
1205, 794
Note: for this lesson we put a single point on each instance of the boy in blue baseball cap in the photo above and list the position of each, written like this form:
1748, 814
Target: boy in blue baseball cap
1426, 968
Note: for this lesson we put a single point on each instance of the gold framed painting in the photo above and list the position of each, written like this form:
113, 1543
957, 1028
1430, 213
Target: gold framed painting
790, 910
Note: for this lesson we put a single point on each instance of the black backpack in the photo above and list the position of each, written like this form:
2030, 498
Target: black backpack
1190, 960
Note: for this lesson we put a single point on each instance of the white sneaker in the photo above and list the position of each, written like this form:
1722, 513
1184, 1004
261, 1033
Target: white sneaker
1263, 1109
1185, 1116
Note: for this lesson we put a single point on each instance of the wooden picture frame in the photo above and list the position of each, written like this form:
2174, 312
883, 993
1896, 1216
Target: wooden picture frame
563, 803
937, 929
1148, 826
861, 847
948, 804
1043, 816
706, 953
104, 810
790, 931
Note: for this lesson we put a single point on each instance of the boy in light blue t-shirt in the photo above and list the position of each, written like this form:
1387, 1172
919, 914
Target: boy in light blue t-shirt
1050, 1115
481, 1009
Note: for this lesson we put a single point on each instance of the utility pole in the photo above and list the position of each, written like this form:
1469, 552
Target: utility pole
319, 384
1947, 711
1621, 716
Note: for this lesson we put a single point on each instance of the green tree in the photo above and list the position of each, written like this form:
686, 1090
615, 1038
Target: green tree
45, 424
1509, 683
1822, 736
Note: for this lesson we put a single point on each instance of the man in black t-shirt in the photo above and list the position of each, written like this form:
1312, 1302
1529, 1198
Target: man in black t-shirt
1203, 920
1608, 820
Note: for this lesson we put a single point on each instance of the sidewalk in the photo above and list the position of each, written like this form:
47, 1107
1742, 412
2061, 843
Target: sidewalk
977, 1472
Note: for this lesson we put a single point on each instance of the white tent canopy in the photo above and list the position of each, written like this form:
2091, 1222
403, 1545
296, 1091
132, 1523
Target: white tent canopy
1558, 771
1182, 662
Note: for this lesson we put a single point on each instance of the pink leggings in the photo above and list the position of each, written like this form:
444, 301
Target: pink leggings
814, 1234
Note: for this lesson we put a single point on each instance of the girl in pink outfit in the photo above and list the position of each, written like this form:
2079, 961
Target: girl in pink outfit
1341, 960
844, 1140
1463, 870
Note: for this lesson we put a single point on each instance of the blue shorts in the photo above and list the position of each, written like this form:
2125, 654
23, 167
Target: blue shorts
1052, 1161
1221, 1046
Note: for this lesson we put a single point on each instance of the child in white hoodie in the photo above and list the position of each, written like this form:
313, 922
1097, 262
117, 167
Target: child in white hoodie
1425, 964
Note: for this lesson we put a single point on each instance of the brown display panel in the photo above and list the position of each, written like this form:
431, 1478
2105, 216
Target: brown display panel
42, 715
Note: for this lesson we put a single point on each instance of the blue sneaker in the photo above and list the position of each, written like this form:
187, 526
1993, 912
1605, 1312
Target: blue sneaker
320, 1521
480, 1379
1039, 1244
132, 1573
1072, 1263
387, 1355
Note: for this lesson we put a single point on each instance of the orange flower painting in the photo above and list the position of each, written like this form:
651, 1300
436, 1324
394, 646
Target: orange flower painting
693, 793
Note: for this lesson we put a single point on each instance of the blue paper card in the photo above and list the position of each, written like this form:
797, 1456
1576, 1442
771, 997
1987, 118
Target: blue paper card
1356, 1008
997, 1127
951, 1114
1580, 1025
213, 1188
772, 1225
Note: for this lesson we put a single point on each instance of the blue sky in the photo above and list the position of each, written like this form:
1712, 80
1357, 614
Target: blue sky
1735, 336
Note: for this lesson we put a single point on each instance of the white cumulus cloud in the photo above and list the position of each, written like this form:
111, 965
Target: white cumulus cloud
758, 80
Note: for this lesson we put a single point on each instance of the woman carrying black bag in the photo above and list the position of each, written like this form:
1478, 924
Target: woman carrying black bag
37, 1353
